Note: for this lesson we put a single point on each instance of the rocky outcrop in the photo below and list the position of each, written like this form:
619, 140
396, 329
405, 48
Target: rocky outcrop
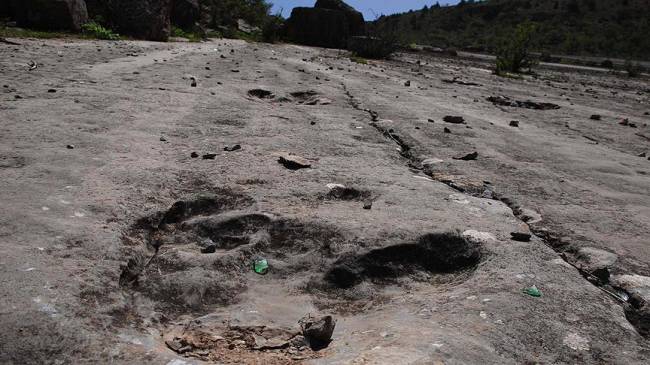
50, 14
330, 24
185, 13
148, 19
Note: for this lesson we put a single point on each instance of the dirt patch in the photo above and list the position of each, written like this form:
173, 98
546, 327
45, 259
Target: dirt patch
261, 94
11, 161
241, 344
432, 253
347, 193
506, 101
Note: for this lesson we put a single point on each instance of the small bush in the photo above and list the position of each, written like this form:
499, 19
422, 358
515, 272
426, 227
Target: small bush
192, 36
95, 30
371, 47
513, 54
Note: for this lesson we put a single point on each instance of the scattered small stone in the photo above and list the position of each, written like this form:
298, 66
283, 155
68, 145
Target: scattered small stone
51, 90
431, 120
207, 68
163, 139
234, 70
193, 84
626, 122
70, 146
514, 123
194, 155
17, 97
209, 156
468, 157
453, 119
642, 154
407, 83
595, 117
312, 123
522, 234
293, 162
318, 331
233, 148
367, 205
447, 130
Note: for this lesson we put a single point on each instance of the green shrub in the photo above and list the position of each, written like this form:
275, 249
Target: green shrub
271, 28
192, 36
513, 54
371, 47
95, 30
359, 60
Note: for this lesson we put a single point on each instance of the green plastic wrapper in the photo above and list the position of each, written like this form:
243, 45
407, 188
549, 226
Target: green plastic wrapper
261, 266
533, 291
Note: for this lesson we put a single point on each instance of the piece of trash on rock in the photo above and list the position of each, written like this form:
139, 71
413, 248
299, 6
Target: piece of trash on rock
533, 291
261, 266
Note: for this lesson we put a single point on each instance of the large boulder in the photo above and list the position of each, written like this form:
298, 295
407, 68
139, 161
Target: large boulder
330, 23
185, 13
148, 19
50, 14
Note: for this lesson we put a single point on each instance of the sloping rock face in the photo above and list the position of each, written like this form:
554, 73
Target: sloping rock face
185, 13
330, 24
148, 19
50, 14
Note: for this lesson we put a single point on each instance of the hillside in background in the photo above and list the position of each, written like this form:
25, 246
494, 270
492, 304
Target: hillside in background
611, 28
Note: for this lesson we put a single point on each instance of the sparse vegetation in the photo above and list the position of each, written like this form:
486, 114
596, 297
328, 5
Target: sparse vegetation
95, 30
607, 28
359, 60
513, 55
13, 32
191, 36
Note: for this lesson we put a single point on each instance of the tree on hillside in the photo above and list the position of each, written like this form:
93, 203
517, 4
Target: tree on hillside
513, 54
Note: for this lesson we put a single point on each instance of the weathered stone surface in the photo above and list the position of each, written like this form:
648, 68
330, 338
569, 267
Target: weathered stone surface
329, 24
148, 19
50, 14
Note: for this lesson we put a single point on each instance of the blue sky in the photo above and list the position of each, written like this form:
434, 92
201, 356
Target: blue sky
367, 7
